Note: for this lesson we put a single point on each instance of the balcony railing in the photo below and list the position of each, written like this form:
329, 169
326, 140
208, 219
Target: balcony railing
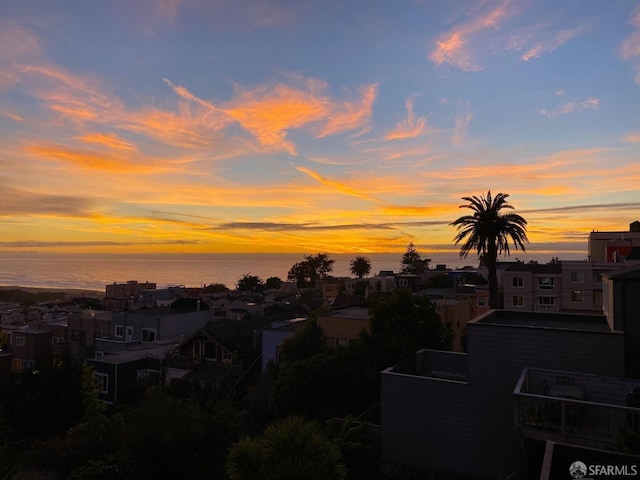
575, 421
588, 410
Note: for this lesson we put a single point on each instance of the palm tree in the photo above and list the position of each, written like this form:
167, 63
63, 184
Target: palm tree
488, 231
360, 266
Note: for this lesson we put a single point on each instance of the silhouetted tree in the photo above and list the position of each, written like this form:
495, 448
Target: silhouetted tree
402, 323
314, 267
215, 288
250, 283
488, 231
360, 266
273, 283
412, 262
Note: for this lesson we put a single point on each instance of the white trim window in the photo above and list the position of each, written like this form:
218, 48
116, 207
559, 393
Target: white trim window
545, 283
546, 303
517, 301
101, 382
119, 332
518, 282
20, 341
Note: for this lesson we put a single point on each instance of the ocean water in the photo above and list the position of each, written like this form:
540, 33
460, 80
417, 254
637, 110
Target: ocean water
94, 271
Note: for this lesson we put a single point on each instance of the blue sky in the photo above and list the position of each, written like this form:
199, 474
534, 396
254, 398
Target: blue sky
351, 126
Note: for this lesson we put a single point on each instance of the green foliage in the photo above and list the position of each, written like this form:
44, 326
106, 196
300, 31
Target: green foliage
412, 262
360, 266
402, 323
290, 449
306, 342
250, 283
48, 401
215, 288
313, 267
273, 283
24, 297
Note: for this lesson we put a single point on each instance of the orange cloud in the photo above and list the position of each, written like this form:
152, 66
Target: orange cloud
411, 127
632, 137
452, 47
110, 140
347, 115
269, 113
339, 186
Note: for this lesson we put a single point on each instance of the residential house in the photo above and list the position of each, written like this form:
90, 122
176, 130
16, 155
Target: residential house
274, 336
533, 287
119, 375
342, 326
454, 412
454, 312
383, 282
621, 306
30, 348
125, 296
219, 350
11, 314
613, 246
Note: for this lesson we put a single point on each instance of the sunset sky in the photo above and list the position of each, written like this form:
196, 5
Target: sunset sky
306, 126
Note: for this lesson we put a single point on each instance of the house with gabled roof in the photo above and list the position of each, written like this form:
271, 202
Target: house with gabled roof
219, 350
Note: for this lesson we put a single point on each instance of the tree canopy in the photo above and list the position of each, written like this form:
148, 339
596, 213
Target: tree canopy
313, 267
488, 231
360, 266
250, 283
412, 261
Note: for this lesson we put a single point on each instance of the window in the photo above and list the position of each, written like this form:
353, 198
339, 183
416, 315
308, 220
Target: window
597, 298
517, 301
546, 303
330, 341
99, 354
148, 376
55, 340
342, 342
577, 296
20, 341
101, 382
545, 283
482, 301
148, 335
518, 282
403, 282
226, 357
119, 331
16, 365
577, 276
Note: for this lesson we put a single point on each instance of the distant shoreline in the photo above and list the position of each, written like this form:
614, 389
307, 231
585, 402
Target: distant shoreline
69, 292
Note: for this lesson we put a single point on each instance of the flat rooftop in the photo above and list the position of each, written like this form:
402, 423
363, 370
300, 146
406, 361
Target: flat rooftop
557, 321
354, 312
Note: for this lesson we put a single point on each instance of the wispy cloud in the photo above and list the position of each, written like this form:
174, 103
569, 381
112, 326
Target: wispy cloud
110, 140
630, 47
453, 47
550, 44
336, 185
633, 137
571, 107
461, 125
350, 115
411, 127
